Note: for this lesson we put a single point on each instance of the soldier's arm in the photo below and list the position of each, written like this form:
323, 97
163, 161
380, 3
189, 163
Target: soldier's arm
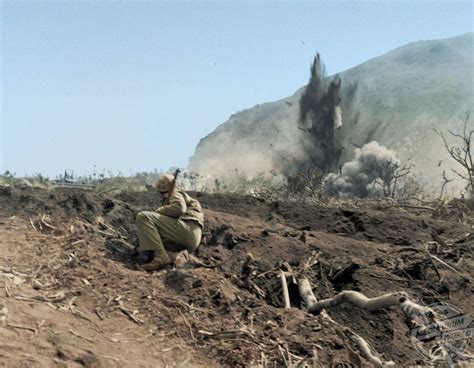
175, 208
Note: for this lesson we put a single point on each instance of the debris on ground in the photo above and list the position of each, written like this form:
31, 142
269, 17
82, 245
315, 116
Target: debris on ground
272, 284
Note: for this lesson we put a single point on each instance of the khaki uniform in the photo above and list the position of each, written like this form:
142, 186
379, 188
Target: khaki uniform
174, 227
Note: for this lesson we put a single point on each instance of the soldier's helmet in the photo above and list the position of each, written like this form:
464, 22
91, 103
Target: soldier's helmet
164, 183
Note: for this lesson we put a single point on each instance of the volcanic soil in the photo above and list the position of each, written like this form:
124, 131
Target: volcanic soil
71, 296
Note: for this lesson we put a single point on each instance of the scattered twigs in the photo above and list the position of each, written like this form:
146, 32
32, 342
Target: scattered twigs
430, 257
345, 271
273, 270
80, 336
399, 279
76, 312
424, 208
116, 360
310, 262
366, 350
291, 360
46, 224
99, 314
34, 330
244, 334
433, 257
38, 270
463, 238
78, 242
254, 286
286, 358
247, 272
407, 275
362, 345
130, 314
7, 290
465, 277
226, 334
33, 225
109, 231
80, 314
438, 239
198, 263
11, 270
184, 304
404, 249
56, 298
3, 314
187, 324
42, 222
103, 229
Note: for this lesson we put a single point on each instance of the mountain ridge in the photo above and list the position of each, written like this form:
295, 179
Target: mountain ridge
403, 96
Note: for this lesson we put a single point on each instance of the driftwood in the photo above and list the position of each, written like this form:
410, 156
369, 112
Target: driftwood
398, 299
395, 299
284, 286
354, 297
304, 287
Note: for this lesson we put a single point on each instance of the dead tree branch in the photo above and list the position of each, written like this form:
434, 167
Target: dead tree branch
462, 152
398, 299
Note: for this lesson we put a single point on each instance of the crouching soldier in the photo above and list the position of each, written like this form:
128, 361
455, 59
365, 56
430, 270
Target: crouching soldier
169, 233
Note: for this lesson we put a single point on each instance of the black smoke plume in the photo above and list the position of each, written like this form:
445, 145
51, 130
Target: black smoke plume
324, 106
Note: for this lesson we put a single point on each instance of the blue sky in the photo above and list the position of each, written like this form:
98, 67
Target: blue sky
132, 86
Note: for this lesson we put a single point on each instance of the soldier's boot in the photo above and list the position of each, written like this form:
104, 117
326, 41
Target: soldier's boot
181, 258
159, 261
144, 257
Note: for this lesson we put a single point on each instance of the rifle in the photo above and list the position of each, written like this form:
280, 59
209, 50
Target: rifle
173, 186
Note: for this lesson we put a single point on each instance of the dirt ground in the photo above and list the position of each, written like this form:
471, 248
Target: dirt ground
70, 295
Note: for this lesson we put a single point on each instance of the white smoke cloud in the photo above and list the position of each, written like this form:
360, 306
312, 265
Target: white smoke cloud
228, 154
361, 176
337, 117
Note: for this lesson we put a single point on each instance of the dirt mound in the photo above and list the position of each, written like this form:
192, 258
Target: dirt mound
374, 222
71, 289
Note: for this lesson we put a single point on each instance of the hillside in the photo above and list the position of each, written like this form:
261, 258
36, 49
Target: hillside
71, 295
402, 97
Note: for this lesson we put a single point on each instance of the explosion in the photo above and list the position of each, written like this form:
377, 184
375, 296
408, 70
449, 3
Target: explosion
323, 106
365, 175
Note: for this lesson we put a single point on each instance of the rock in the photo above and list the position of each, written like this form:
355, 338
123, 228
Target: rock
25, 183
6, 190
